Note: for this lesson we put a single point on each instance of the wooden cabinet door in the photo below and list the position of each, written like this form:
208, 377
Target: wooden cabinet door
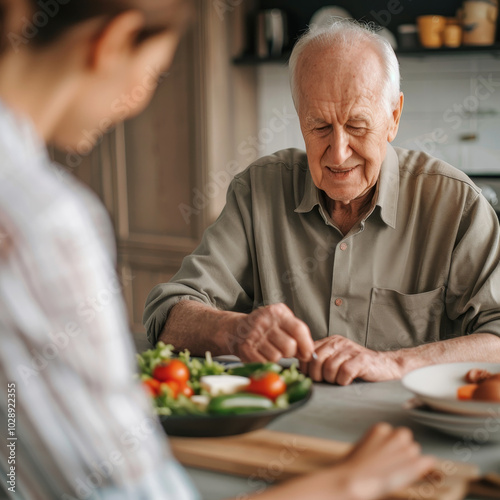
154, 172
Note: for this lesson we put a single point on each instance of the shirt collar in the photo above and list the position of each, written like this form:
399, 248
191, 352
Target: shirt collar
387, 190
311, 196
388, 187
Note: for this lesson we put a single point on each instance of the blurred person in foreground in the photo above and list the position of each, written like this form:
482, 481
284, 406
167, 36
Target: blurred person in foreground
84, 429
381, 259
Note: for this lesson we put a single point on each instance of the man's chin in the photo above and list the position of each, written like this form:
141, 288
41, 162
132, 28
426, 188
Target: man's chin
341, 196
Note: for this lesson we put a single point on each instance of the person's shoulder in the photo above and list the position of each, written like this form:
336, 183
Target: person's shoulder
50, 201
426, 167
74, 191
285, 162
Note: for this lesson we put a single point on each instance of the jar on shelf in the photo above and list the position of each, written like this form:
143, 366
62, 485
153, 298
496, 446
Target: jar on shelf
408, 36
430, 30
479, 20
452, 35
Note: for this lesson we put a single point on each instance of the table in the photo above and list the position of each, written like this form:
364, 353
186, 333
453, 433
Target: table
344, 414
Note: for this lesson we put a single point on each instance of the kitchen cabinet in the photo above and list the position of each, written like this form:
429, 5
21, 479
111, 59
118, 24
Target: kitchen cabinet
452, 102
163, 175
389, 14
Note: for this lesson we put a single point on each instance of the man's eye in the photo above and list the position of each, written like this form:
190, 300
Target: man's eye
356, 130
323, 129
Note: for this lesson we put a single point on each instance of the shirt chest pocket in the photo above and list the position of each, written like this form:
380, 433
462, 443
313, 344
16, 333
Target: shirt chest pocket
397, 320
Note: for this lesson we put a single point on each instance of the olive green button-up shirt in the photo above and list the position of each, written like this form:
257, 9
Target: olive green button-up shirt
422, 266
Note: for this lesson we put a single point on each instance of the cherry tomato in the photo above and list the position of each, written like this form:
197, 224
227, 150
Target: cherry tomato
186, 390
268, 384
171, 370
152, 386
174, 387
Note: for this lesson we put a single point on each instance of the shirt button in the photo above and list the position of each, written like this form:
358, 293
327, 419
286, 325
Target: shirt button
343, 246
338, 302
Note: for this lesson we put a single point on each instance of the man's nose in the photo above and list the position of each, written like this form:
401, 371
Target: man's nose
340, 150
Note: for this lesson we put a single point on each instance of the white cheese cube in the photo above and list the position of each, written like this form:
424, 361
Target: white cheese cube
201, 401
217, 385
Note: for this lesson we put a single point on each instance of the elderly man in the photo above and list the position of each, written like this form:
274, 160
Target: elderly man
378, 259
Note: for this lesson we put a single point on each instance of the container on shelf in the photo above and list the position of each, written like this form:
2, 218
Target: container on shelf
452, 36
272, 33
408, 36
430, 30
479, 20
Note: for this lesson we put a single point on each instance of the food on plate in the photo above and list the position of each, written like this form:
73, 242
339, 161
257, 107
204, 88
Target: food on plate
201, 400
298, 390
186, 390
476, 375
152, 386
181, 385
488, 390
217, 385
253, 368
171, 370
269, 384
243, 402
465, 391
482, 386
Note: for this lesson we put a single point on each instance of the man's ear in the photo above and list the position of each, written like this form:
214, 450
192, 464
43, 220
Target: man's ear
116, 41
395, 117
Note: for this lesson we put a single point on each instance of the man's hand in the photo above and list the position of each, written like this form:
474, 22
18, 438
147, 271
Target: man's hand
273, 332
341, 360
269, 334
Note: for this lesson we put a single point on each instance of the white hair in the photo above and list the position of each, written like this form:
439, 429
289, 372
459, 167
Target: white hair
349, 33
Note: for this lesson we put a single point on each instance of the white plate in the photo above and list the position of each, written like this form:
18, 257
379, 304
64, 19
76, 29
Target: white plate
437, 386
480, 429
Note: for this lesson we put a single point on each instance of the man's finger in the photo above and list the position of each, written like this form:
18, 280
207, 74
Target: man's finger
323, 350
285, 343
332, 365
249, 354
299, 331
349, 370
269, 351
315, 366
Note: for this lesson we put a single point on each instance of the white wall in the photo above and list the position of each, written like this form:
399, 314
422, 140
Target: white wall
274, 98
447, 100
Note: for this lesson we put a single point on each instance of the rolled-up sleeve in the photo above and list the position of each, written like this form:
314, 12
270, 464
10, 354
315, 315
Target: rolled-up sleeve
219, 272
473, 294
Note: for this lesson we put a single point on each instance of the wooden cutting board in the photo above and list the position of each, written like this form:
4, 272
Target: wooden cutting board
269, 456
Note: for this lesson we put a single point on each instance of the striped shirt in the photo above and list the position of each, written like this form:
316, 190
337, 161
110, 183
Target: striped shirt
81, 428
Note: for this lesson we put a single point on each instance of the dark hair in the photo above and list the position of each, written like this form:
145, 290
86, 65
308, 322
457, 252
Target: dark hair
3, 17
57, 16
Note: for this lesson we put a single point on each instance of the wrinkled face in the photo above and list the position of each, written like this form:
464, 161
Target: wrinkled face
343, 119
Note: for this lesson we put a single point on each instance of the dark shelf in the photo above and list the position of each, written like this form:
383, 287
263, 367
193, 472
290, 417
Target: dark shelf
387, 14
251, 59
493, 50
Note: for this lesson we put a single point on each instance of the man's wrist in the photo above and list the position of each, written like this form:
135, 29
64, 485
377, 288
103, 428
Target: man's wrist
228, 334
405, 360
